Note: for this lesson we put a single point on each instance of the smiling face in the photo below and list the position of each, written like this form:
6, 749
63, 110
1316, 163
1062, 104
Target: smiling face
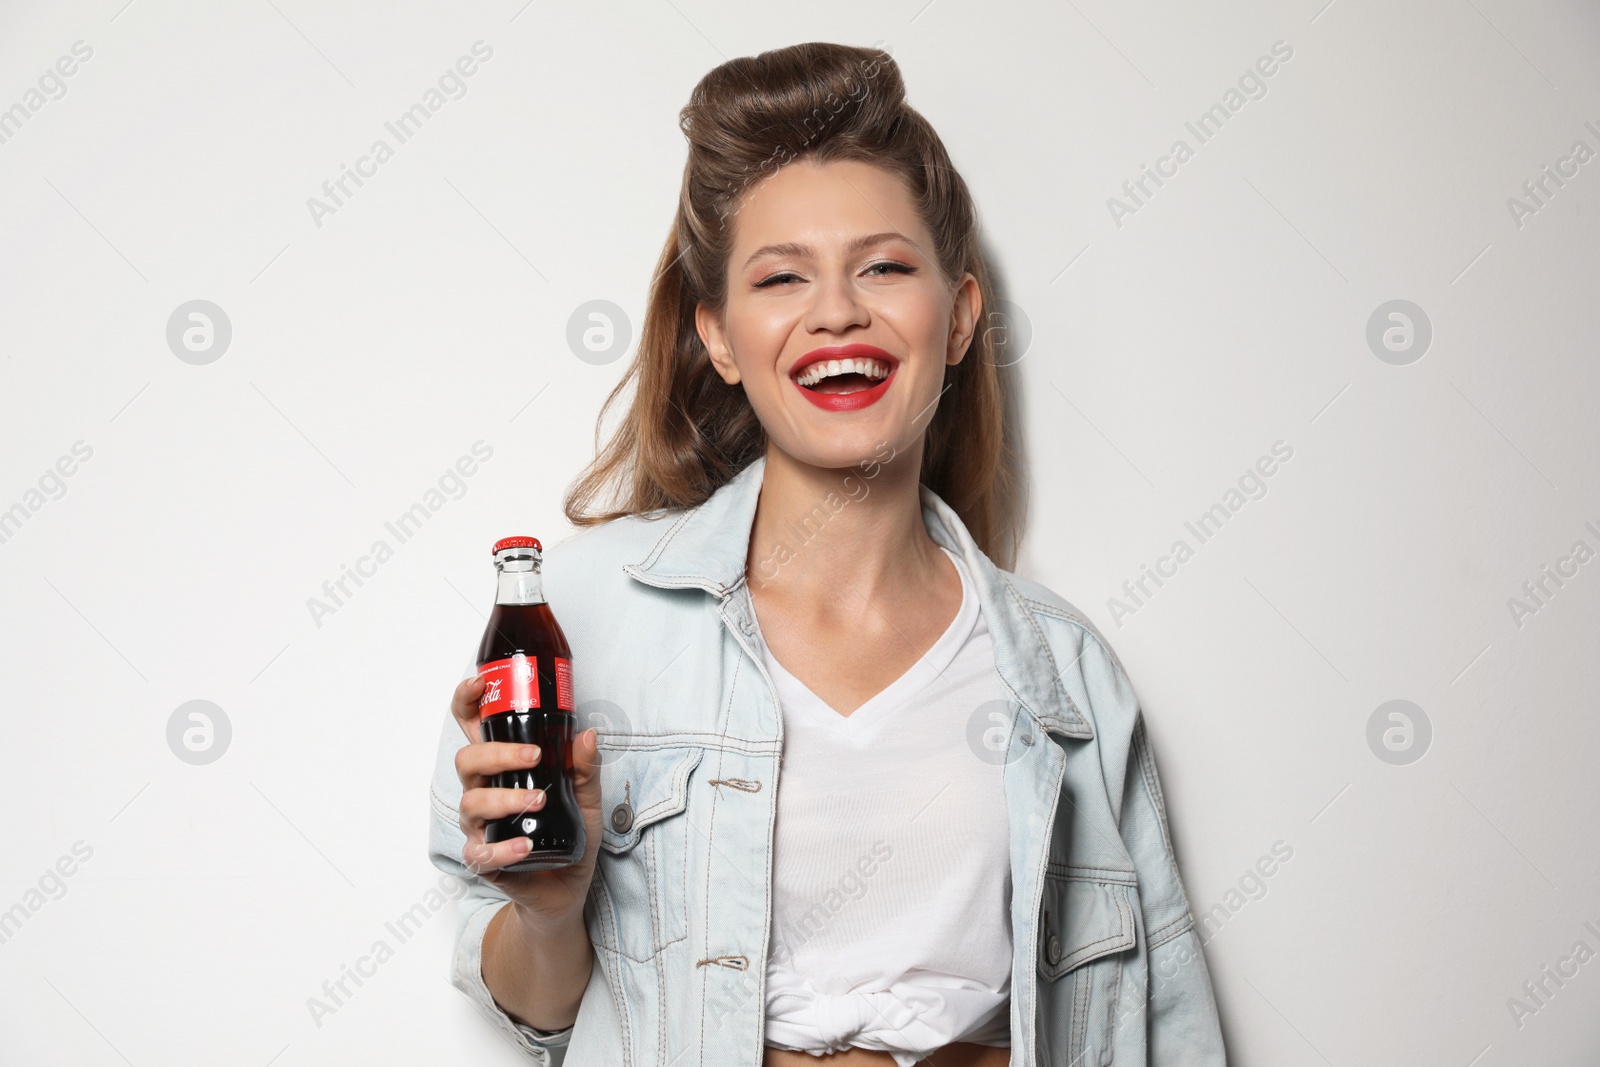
838, 321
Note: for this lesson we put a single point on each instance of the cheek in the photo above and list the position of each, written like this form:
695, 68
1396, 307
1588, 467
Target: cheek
921, 316
758, 334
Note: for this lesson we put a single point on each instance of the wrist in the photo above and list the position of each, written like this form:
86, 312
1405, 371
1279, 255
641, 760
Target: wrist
542, 928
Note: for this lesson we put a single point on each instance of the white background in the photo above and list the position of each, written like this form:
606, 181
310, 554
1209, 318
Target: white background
1167, 354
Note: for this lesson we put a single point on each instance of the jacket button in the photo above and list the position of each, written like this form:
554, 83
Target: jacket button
1052, 950
622, 817
1027, 739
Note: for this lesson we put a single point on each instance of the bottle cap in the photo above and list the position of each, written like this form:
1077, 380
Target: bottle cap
516, 542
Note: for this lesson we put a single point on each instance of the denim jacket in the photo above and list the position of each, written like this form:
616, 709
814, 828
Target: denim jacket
1107, 965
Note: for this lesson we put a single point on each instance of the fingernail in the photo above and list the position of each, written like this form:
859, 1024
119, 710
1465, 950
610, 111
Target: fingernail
524, 844
535, 796
527, 753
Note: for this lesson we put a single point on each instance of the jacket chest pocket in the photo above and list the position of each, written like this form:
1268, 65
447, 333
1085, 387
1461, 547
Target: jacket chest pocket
641, 869
1086, 923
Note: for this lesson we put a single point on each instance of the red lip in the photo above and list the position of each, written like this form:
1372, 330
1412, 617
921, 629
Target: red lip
851, 351
845, 401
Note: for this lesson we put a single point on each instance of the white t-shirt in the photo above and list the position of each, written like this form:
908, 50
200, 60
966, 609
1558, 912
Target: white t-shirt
891, 880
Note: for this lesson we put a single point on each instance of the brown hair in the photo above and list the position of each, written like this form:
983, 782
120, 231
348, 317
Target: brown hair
688, 432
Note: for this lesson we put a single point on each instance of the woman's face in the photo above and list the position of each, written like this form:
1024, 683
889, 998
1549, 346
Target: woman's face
831, 262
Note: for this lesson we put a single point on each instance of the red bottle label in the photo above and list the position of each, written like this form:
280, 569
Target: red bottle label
509, 685
563, 684
513, 685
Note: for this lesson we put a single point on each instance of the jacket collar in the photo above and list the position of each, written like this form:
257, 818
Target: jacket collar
707, 546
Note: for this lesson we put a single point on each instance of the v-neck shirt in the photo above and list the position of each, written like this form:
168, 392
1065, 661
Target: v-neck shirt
866, 719
891, 923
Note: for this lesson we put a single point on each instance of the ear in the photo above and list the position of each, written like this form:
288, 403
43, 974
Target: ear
712, 335
965, 313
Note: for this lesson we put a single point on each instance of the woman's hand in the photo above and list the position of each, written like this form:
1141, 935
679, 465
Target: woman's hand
546, 899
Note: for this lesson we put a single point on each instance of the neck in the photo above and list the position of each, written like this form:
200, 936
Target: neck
823, 535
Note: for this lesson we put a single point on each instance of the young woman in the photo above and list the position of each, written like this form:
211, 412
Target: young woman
863, 797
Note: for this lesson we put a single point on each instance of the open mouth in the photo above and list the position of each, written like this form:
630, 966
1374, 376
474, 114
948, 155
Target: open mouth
844, 378
834, 376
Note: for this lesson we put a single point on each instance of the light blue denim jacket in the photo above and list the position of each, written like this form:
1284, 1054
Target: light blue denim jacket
1107, 965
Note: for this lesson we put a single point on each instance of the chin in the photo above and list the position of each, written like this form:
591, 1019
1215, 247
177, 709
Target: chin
859, 451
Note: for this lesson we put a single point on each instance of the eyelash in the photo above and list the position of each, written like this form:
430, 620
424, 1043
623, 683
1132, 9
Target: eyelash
895, 268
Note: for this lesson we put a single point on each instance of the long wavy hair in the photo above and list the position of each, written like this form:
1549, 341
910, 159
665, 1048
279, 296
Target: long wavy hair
687, 432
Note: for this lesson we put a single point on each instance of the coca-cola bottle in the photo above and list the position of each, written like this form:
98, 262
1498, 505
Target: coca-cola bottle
526, 669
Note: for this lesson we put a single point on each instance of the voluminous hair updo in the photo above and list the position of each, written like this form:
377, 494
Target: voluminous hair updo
687, 431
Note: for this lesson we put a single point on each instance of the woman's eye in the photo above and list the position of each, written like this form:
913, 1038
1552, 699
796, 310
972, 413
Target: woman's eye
892, 268
776, 279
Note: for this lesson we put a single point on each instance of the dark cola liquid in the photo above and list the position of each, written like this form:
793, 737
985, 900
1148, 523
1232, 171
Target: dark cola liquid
557, 829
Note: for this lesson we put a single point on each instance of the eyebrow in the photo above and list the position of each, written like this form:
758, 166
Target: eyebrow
803, 251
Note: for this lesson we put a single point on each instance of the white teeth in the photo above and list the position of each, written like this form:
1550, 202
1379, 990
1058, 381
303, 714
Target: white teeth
872, 368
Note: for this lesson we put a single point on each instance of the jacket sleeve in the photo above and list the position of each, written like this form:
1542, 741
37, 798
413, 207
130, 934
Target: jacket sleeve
477, 906
1180, 1009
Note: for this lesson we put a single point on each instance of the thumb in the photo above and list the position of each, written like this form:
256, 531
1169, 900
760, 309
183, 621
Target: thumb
586, 768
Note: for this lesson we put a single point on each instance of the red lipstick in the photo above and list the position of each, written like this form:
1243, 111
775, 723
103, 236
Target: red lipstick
857, 400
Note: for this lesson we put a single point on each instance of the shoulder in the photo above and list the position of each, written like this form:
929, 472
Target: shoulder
1084, 661
594, 552
1059, 618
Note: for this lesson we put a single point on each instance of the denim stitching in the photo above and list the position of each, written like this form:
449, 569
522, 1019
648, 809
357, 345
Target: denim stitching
661, 542
681, 739
1111, 1016
1032, 973
625, 1016
709, 849
1055, 677
1082, 623
1080, 1015
1152, 784
1183, 923
1092, 874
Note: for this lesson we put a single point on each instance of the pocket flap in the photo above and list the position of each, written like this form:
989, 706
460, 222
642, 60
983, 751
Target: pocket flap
1085, 915
641, 786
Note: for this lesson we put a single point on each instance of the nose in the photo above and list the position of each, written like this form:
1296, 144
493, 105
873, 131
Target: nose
835, 305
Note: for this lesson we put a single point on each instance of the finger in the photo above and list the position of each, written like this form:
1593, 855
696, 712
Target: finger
483, 805
475, 763
482, 857
464, 706
585, 756
586, 768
